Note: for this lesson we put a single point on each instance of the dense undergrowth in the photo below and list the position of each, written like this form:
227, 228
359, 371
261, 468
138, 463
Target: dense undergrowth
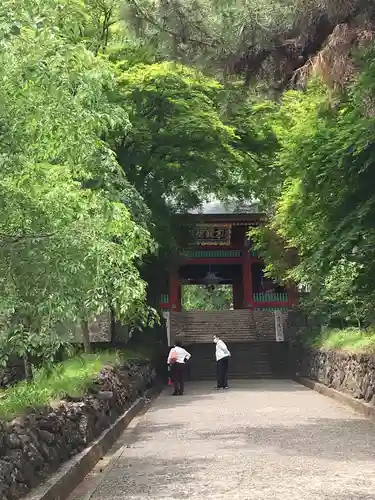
69, 378
348, 339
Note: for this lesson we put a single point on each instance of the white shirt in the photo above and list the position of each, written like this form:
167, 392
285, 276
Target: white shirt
182, 354
222, 350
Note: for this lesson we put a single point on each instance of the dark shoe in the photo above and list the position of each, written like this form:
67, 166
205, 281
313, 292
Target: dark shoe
175, 394
226, 387
180, 394
218, 388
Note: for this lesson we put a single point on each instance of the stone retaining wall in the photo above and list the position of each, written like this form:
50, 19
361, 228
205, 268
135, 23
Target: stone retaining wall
35, 445
240, 325
353, 374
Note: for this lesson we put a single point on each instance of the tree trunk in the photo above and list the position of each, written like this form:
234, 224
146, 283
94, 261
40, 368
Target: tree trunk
86, 337
27, 368
357, 317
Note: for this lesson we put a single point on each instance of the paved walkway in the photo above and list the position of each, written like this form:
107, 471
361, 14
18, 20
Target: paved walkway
268, 440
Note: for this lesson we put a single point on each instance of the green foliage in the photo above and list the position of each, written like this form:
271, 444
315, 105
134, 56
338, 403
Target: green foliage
208, 32
278, 259
337, 298
323, 209
100, 146
92, 23
20, 342
273, 40
203, 298
69, 378
69, 247
182, 146
256, 141
315, 177
349, 339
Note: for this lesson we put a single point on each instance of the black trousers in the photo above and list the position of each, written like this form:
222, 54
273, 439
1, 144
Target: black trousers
222, 372
178, 374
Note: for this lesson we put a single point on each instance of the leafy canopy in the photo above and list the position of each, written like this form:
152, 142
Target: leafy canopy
101, 144
68, 247
184, 143
325, 204
280, 42
203, 298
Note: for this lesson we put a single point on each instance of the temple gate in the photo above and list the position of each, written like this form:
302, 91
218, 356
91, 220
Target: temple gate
220, 252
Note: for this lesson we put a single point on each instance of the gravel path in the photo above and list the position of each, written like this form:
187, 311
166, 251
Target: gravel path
261, 440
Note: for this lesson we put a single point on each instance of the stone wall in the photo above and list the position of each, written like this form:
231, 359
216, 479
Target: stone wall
265, 324
100, 328
35, 445
248, 360
353, 374
241, 325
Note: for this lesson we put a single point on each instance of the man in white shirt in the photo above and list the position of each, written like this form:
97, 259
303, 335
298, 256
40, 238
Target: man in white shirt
222, 363
176, 359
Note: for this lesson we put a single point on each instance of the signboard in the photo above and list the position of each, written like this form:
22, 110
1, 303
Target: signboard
213, 234
167, 318
279, 326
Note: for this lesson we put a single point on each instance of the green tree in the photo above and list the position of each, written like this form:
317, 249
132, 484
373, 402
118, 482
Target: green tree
182, 146
280, 41
337, 300
323, 208
69, 247
206, 298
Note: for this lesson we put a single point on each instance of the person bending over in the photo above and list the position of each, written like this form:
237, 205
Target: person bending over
222, 363
176, 360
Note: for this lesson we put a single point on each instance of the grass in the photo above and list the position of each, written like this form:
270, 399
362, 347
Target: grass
71, 377
348, 340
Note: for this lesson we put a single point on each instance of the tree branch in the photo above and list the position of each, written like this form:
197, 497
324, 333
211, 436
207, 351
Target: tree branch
6, 239
142, 13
